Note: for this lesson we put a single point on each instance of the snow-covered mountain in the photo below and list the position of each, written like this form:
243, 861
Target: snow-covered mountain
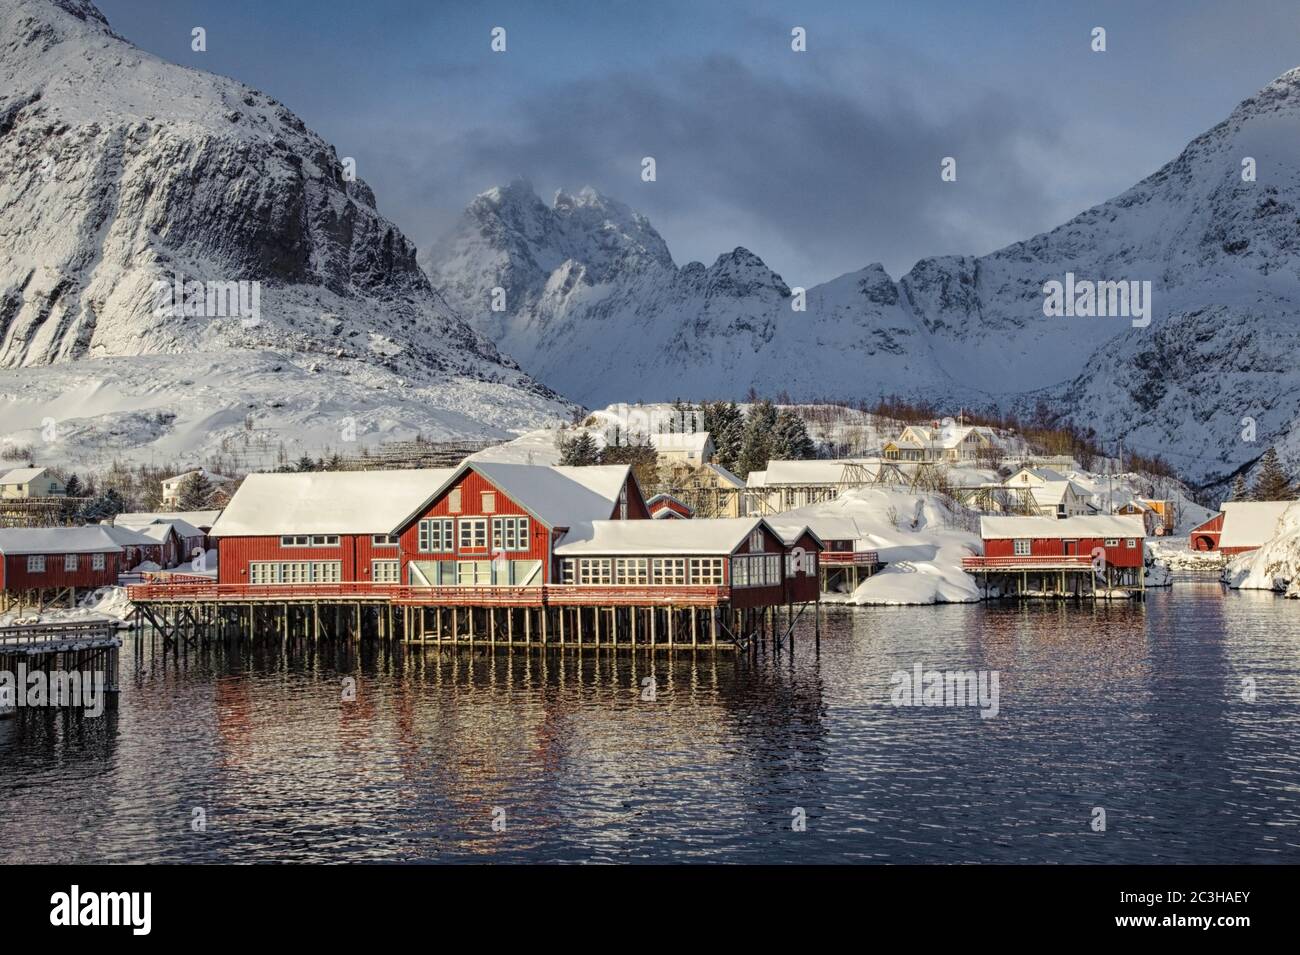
1221, 254
119, 171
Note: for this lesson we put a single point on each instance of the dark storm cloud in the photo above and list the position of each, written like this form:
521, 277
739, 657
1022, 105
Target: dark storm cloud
813, 179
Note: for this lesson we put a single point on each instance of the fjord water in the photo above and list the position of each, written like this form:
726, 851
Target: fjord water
1138, 710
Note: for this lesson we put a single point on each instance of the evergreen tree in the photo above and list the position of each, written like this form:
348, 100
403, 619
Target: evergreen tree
756, 445
195, 492
580, 451
638, 454
790, 440
1239, 490
73, 487
1272, 483
725, 425
305, 463
104, 507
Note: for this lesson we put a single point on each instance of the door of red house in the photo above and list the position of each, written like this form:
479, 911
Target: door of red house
1071, 547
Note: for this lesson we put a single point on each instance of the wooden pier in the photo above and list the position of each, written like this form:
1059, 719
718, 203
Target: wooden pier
1059, 576
553, 616
84, 647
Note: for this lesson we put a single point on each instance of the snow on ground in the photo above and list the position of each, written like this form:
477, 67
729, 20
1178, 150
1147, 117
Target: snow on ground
1276, 565
918, 535
105, 603
1177, 556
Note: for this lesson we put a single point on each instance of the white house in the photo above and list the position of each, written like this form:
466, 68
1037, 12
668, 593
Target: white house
1060, 499
951, 444
691, 448
30, 482
171, 487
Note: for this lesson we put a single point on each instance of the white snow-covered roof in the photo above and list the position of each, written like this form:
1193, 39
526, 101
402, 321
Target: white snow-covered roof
21, 475
184, 529
681, 441
1047, 475
824, 526
327, 502
214, 478
57, 540
559, 496
1094, 525
1054, 492
1250, 523
126, 536
138, 519
757, 479
815, 471
711, 535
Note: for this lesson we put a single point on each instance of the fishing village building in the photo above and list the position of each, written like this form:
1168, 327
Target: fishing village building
45, 566
490, 552
1240, 526
1099, 555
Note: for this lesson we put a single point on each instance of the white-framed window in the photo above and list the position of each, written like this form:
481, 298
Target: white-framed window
1112, 541
773, 569
510, 533
1021, 548
740, 571
668, 571
489, 500
631, 570
383, 540
473, 573
567, 570
453, 500
263, 572
295, 572
36, 564
96, 561
385, 571
706, 570
756, 539
473, 533
1130, 542
309, 540
434, 535
622, 502
593, 570
69, 561
327, 572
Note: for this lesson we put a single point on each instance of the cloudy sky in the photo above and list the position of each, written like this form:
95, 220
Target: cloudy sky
820, 162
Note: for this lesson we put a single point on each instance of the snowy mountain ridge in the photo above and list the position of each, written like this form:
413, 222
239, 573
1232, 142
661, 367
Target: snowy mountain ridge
1219, 249
120, 171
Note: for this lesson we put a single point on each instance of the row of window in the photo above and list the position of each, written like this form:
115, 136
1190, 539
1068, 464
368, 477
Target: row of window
309, 540
756, 570
295, 572
1023, 547
36, 562
444, 534
660, 571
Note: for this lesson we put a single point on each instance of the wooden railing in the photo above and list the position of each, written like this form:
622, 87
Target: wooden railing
849, 557
562, 594
46, 632
1026, 562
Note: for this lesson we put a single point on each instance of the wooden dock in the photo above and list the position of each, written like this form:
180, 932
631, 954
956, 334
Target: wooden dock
1055, 576
81, 647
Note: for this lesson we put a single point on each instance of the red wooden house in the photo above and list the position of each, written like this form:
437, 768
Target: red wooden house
1060, 554
57, 558
1206, 536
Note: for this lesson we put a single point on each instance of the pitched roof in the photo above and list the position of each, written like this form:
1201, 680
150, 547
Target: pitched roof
212, 476
726, 476
558, 496
199, 519
21, 475
126, 536
680, 441
1094, 525
327, 502
814, 471
93, 539
1250, 523
1054, 492
711, 535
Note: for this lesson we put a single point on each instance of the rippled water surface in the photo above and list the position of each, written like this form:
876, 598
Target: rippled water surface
1138, 710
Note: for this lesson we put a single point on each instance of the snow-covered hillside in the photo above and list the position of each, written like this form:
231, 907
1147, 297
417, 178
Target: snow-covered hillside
1222, 254
1276, 565
118, 171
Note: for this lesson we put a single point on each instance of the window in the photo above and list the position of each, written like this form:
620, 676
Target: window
325, 540
453, 501
773, 567
473, 573
593, 570
473, 533
622, 503
384, 571
36, 564
510, 533
740, 571
669, 570
756, 540
295, 572
1130, 542
489, 502
304, 540
1021, 548
69, 561
631, 570
706, 570
97, 562
327, 572
1112, 541
383, 540
292, 541
435, 535
567, 570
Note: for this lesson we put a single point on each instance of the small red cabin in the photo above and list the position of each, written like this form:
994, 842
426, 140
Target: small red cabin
1037, 541
665, 506
54, 558
1206, 536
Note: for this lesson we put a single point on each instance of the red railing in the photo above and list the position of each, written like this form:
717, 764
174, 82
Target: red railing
849, 557
566, 594
1026, 562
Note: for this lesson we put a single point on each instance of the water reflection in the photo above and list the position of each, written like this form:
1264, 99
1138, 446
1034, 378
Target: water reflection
1133, 708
